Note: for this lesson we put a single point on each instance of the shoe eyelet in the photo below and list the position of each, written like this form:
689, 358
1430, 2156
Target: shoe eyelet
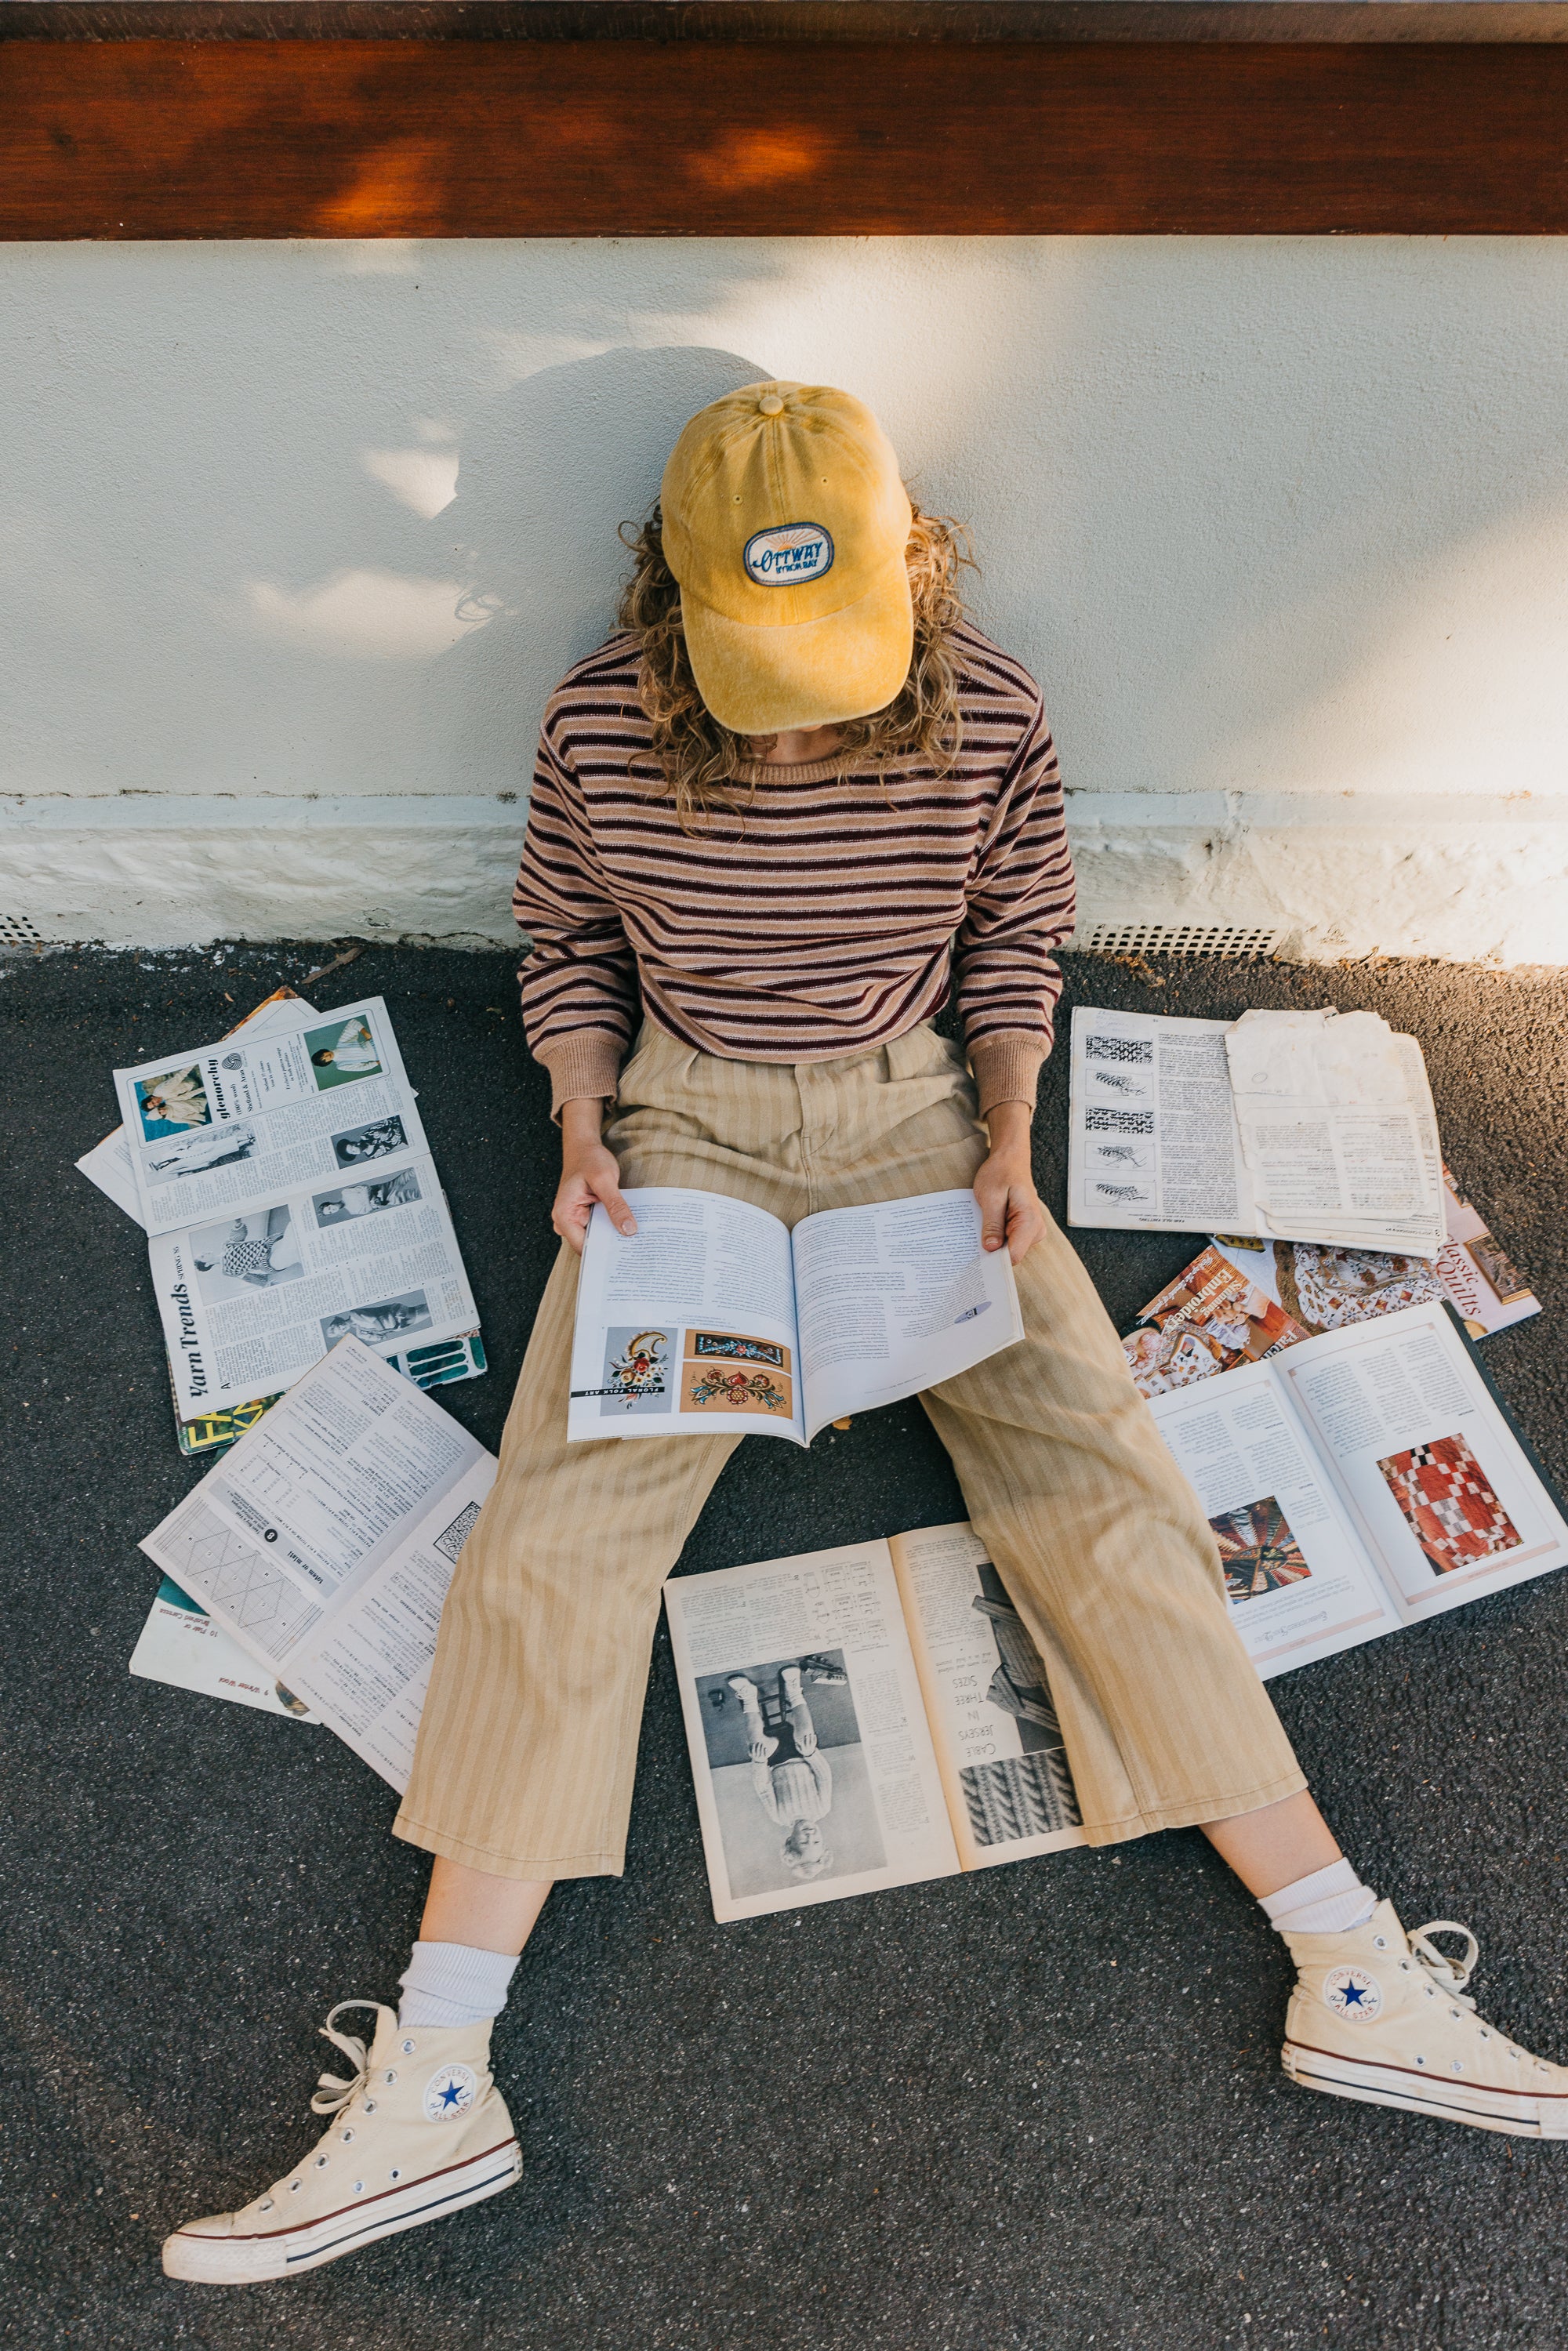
322, 2161
265, 2205
408, 2049
1455, 2014
1380, 1942
359, 2187
346, 2136
1420, 2061
1456, 2068
295, 2186
370, 2105
394, 2175
390, 2074
1405, 1966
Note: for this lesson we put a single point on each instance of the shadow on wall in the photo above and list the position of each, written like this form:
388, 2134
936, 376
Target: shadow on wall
549, 472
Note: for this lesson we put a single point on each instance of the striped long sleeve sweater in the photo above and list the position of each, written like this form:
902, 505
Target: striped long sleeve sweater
826, 913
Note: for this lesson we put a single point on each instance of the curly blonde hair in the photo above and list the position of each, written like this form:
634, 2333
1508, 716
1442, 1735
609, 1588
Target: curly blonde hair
700, 761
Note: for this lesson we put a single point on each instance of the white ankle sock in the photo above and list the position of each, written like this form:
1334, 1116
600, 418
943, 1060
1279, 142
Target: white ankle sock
1330, 1902
453, 1983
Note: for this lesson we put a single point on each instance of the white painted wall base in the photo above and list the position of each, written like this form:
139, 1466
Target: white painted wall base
1464, 879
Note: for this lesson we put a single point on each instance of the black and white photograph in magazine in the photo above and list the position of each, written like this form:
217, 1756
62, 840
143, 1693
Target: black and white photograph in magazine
366, 1199
1032, 1795
378, 1140
389, 1318
790, 1782
254, 1252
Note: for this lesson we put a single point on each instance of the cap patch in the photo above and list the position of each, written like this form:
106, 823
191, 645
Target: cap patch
788, 554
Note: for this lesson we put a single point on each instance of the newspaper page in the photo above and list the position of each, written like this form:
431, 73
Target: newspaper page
109, 1164
226, 1129
1152, 1142
815, 1773
181, 1645
1003, 1760
1297, 1575
251, 1301
1443, 1492
894, 1297
324, 1542
1337, 1146
687, 1323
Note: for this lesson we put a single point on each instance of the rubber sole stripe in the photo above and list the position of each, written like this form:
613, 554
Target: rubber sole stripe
398, 2219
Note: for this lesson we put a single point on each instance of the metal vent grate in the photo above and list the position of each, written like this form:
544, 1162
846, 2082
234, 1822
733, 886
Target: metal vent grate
17, 931
1182, 939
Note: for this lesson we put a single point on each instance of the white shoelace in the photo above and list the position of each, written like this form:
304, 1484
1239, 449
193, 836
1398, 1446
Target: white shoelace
341, 2093
1450, 1976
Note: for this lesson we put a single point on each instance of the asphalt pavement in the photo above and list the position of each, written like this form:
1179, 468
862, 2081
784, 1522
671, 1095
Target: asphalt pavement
1040, 2108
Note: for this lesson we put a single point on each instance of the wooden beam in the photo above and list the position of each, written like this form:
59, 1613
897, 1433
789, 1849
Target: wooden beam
366, 138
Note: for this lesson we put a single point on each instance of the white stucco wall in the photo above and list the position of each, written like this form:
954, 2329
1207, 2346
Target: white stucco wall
294, 540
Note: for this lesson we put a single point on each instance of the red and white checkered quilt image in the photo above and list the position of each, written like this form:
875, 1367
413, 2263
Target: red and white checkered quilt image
1453, 1512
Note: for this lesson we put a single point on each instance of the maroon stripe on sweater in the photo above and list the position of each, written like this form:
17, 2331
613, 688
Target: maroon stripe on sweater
818, 912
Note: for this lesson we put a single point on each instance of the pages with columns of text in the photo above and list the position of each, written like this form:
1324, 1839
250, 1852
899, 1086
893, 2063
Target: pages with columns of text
325, 1541
715, 1318
1360, 1480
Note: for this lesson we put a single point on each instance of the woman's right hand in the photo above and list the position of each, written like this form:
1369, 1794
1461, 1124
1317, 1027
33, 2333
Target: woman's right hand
589, 1171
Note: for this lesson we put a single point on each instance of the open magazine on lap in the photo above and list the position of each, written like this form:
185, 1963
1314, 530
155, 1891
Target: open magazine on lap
714, 1316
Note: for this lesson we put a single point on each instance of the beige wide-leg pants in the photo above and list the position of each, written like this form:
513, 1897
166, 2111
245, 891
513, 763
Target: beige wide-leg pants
529, 1738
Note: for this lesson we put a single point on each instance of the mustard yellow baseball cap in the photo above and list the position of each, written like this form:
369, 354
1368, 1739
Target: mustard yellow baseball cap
786, 523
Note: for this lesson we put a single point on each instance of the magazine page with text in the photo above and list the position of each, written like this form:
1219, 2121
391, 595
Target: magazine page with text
324, 1542
1300, 1580
987, 1702
1444, 1493
894, 1298
249, 1302
816, 1777
221, 1129
687, 1323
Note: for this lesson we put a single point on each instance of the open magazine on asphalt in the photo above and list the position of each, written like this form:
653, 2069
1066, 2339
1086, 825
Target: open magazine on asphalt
324, 1542
1360, 1480
715, 1316
871, 1716
290, 1200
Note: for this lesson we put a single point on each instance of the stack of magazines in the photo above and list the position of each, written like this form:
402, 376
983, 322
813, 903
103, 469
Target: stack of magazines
1314, 1126
284, 1181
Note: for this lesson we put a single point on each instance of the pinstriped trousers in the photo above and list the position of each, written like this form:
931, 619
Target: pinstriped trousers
528, 1743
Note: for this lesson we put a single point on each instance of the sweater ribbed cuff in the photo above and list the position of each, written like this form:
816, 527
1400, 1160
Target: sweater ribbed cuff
584, 1064
1007, 1068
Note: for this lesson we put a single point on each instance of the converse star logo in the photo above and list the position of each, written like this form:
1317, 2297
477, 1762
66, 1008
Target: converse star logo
451, 2090
1351, 1993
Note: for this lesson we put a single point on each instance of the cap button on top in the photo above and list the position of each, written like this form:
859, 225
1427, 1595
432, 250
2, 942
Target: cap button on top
770, 404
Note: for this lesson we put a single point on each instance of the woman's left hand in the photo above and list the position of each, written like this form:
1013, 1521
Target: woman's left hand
1009, 1204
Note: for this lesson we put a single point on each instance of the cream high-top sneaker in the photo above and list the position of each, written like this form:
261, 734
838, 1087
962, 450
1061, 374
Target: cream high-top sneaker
1384, 2017
418, 2132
